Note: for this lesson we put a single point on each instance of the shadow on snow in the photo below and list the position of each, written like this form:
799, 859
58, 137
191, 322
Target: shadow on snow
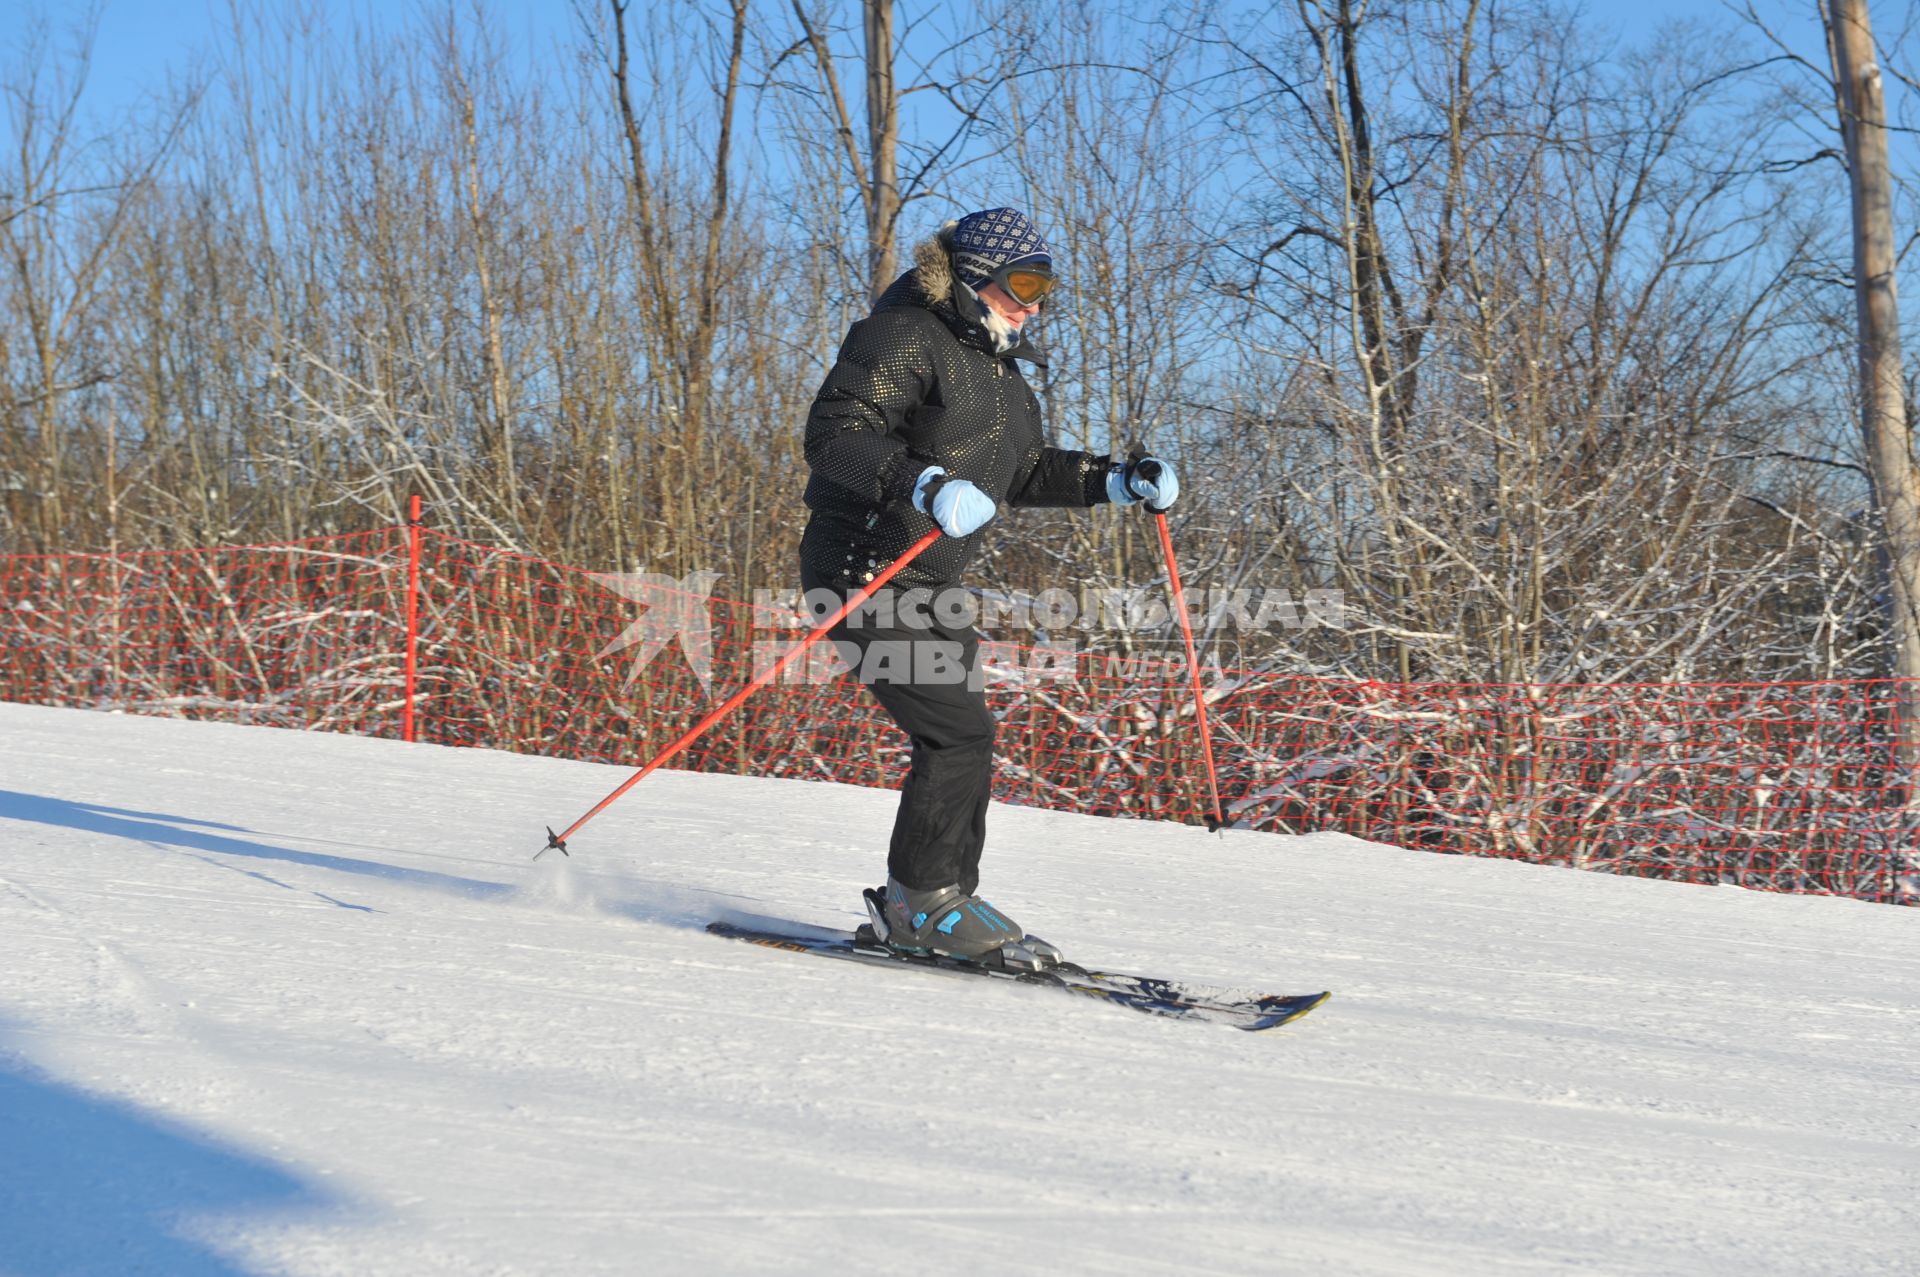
167, 830
91, 1185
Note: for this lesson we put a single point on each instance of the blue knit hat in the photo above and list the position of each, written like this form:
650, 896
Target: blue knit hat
983, 242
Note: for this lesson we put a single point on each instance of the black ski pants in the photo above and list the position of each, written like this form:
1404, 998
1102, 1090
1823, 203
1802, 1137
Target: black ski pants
923, 674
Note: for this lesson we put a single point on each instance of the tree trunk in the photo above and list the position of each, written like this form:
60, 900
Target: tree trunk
875, 174
1883, 417
883, 134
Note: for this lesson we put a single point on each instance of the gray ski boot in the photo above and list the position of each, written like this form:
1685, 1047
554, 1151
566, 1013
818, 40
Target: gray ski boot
950, 923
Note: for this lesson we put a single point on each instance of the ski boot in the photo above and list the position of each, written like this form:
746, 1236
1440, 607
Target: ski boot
949, 923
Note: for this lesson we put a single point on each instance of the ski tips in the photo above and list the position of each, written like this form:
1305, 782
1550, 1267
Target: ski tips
553, 842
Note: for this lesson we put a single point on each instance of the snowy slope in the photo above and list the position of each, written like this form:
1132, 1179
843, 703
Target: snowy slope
276, 1002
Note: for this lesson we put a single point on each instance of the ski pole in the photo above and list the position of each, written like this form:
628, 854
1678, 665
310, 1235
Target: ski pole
559, 840
1215, 818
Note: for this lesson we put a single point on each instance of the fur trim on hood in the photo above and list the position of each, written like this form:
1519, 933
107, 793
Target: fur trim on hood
933, 265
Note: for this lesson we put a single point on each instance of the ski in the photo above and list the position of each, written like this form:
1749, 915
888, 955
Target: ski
1172, 999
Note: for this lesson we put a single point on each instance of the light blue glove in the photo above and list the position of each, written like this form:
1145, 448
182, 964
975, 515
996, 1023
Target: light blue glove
1146, 479
959, 507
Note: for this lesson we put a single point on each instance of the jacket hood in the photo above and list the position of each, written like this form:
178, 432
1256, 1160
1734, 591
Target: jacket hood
929, 284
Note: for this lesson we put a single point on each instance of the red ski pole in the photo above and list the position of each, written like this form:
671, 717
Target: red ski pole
1215, 818
559, 840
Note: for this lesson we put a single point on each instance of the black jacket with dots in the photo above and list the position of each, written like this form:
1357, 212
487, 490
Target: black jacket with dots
918, 384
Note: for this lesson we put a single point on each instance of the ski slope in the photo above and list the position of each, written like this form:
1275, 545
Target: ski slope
288, 1003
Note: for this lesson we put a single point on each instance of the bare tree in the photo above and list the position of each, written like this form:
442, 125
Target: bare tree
1884, 423
1523, 315
65, 210
883, 144
681, 282
934, 159
875, 172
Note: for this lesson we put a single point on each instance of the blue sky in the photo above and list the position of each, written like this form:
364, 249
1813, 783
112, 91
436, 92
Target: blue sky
139, 43
143, 45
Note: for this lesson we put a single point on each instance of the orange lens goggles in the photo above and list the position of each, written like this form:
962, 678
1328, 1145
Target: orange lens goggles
1025, 284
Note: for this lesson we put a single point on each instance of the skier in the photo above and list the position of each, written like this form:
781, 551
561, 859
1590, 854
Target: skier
925, 420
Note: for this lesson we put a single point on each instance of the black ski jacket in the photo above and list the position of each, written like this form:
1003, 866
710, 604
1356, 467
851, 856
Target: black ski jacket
918, 384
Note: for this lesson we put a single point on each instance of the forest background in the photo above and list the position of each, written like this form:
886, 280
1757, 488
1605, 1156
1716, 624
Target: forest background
1532, 338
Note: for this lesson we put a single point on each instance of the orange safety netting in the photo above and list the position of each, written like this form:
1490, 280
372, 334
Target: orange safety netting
1776, 786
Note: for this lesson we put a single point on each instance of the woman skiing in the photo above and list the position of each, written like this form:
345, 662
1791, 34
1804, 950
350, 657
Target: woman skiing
925, 420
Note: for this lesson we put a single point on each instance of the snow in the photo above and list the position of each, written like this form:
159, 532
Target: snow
300, 1003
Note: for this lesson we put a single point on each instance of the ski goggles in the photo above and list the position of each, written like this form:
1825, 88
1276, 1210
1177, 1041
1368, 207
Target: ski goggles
1026, 282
